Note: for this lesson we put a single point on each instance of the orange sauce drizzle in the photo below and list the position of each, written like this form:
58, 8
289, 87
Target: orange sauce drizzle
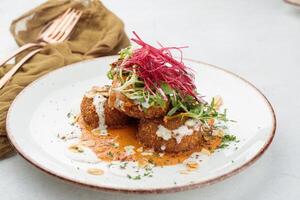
111, 147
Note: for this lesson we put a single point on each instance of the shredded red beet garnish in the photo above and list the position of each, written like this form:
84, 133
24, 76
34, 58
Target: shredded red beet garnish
157, 65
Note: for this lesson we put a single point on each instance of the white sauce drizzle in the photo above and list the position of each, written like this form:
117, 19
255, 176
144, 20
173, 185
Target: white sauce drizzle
146, 104
119, 103
87, 156
163, 132
187, 129
99, 102
193, 123
180, 132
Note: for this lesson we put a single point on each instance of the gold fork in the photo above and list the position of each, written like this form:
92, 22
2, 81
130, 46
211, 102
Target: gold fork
55, 32
47, 32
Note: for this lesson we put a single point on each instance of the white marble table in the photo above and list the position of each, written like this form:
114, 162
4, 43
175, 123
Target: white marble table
260, 40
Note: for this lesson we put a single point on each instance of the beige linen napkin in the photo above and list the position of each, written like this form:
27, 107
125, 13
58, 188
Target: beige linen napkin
98, 33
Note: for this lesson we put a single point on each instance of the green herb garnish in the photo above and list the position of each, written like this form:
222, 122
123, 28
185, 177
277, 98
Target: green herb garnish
229, 138
161, 94
226, 140
110, 74
138, 177
123, 165
126, 52
110, 154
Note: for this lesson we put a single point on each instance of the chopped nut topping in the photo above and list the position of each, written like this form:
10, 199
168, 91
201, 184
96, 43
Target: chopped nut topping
192, 165
147, 153
95, 132
95, 171
101, 149
205, 151
97, 90
218, 132
218, 102
140, 149
205, 128
76, 149
88, 143
143, 163
116, 144
183, 172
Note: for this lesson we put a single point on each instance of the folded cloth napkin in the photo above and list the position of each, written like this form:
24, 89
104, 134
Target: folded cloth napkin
98, 33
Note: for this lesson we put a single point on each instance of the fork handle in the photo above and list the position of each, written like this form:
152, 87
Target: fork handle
18, 51
13, 70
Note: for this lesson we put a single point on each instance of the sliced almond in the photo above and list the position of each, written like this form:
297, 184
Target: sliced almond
95, 171
88, 143
218, 102
142, 163
183, 172
85, 137
116, 144
218, 132
105, 94
101, 89
205, 151
192, 165
205, 128
75, 119
97, 90
75, 148
101, 149
95, 132
140, 149
147, 153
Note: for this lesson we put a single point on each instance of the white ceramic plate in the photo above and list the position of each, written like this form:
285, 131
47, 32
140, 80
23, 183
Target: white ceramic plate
39, 112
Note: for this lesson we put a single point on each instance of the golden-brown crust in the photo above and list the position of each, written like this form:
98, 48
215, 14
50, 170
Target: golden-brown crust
113, 117
136, 111
147, 136
131, 109
88, 112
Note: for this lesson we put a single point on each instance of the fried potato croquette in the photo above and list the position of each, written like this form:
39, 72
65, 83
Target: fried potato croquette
113, 117
147, 135
132, 109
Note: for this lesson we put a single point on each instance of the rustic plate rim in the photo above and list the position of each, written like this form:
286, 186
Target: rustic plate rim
146, 191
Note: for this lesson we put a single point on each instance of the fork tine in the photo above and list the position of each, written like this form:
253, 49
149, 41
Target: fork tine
62, 24
45, 28
50, 29
71, 27
65, 26
68, 18
54, 24
68, 28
